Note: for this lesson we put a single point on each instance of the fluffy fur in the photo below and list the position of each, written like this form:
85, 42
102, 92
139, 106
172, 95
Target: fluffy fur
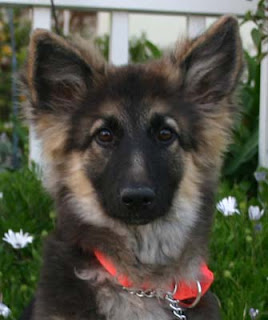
168, 125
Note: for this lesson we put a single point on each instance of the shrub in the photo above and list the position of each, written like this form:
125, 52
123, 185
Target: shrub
242, 158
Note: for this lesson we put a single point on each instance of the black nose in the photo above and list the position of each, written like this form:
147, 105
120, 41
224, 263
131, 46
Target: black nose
138, 197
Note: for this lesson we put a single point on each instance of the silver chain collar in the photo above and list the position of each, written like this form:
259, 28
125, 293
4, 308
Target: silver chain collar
177, 307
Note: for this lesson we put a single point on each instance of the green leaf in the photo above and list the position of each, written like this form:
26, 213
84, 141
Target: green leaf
261, 56
260, 13
245, 153
153, 48
252, 66
247, 17
256, 37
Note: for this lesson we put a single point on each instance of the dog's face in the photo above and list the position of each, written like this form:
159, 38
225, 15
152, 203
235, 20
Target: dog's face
140, 144
134, 130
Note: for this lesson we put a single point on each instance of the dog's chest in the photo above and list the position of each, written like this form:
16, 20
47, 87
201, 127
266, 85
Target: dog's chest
117, 304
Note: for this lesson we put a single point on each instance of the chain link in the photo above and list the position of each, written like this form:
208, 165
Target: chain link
174, 306
168, 296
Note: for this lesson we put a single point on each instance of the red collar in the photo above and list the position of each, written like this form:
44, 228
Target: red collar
185, 290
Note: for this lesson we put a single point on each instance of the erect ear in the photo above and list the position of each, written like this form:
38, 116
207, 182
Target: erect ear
58, 75
212, 63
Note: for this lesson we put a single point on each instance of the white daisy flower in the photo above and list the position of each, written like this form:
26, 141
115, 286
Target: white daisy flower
1, 195
18, 240
253, 313
227, 206
255, 213
260, 176
4, 310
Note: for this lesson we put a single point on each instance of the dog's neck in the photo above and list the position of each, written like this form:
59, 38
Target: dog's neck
128, 251
185, 290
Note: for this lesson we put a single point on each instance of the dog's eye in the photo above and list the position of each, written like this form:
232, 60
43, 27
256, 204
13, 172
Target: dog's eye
105, 137
165, 135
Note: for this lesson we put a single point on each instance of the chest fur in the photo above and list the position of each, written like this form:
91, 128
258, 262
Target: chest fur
117, 304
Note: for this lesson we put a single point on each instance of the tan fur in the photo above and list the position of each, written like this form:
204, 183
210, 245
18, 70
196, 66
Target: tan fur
84, 198
164, 68
54, 131
82, 190
216, 137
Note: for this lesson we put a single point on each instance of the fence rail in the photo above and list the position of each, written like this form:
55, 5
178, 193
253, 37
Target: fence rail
175, 7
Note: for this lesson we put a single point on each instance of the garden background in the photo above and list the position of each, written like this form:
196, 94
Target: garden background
239, 242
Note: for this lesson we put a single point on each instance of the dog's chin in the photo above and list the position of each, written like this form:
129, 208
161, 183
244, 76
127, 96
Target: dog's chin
136, 219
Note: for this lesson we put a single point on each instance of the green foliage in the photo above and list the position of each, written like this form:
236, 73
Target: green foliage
8, 123
24, 205
239, 253
22, 32
242, 158
240, 264
140, 48
103, 44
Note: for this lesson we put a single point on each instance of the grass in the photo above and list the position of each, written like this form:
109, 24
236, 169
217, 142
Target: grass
238, 256
24, 206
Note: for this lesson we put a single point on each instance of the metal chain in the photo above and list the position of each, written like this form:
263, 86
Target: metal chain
168, 296
174, 306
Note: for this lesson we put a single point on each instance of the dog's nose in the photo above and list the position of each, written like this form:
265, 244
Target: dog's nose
138, 197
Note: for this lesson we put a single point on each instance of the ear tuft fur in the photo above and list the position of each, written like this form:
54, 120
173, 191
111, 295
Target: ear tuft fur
212, 62
58, 73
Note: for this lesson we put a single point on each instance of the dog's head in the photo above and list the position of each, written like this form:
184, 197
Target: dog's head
139, 144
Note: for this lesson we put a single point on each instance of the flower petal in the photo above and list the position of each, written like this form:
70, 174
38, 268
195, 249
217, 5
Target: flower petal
4, 310
17, 240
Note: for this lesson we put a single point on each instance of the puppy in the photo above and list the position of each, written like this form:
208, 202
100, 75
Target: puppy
132, 156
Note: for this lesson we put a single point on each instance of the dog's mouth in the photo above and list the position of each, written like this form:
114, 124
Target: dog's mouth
138, 218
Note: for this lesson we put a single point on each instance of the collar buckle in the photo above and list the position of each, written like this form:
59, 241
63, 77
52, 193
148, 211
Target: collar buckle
196, 300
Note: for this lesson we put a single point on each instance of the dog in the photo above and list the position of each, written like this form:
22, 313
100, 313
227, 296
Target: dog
132, 156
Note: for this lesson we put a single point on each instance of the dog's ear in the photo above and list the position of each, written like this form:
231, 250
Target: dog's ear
211, 63
58, 73
57, 77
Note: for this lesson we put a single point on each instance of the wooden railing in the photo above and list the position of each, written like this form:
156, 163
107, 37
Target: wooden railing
196, 12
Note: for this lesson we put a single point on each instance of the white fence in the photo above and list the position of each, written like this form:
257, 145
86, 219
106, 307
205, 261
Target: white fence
196, 12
